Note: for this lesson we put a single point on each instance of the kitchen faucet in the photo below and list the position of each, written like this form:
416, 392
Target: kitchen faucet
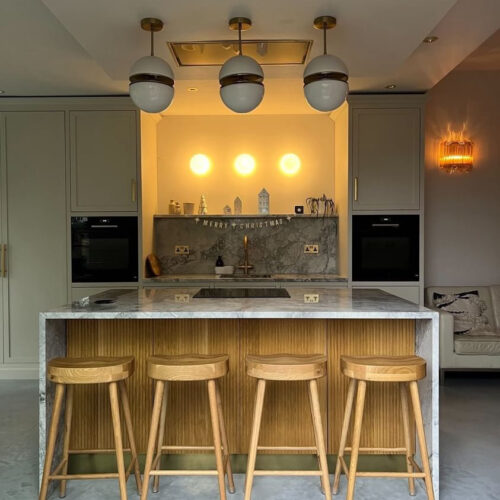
246, 266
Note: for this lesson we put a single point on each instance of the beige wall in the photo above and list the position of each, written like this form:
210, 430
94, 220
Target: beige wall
266, 138
462, 222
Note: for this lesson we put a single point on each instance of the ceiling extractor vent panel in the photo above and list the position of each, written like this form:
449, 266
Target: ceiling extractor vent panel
216, 53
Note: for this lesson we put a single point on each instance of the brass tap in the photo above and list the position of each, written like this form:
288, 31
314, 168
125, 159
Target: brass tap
245, 266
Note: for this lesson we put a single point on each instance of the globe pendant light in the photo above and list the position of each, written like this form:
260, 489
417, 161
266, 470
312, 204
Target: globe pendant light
151, 79
325, 77
241, 77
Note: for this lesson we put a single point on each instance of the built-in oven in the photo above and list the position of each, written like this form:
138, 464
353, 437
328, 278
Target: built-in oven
104, 249
385, 248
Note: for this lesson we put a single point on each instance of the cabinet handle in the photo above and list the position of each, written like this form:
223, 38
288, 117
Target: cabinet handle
3, 268
355, 189
134, 190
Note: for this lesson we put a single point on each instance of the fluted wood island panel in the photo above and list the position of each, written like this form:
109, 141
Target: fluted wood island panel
286, 417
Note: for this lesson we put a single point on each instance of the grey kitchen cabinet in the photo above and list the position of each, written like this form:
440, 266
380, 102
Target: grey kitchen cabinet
386, 162
33, 223
104, 160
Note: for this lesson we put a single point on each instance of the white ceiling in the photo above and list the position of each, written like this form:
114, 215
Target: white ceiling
86, 47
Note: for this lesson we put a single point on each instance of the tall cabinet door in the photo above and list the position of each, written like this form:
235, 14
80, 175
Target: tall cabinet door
33, 161
386, 159
103, 160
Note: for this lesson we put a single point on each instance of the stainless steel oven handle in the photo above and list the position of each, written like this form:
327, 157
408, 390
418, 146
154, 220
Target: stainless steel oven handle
385, 225
3, 272
100, 226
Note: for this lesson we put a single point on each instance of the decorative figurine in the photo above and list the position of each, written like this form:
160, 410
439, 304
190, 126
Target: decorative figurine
203, 210
238, 206
264, 202
227, 210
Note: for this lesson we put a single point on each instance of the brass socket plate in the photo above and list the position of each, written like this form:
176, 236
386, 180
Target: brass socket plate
151, 24
327, 22
234, 23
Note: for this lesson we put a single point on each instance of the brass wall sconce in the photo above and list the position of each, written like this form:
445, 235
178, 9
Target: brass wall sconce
456, 156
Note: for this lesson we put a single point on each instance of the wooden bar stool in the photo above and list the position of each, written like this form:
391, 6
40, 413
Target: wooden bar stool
404, 370
187, 368
76, 371
286, 367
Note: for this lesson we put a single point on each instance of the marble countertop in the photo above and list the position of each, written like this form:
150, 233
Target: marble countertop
158, 303
278, 278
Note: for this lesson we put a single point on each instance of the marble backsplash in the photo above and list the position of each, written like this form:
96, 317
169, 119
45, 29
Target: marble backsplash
275, 243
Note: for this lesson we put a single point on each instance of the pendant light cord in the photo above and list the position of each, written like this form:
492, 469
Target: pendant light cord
324, 39
152, 43
239, 39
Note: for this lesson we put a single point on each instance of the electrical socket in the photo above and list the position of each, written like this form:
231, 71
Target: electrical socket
181, 250
182, 297
311, 248
311, 298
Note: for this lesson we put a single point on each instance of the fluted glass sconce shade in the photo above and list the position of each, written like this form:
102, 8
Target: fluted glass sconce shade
325, 77
151, 78
456, 156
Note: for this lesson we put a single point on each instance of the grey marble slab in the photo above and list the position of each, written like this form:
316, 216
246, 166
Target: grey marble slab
273, 278
275, 243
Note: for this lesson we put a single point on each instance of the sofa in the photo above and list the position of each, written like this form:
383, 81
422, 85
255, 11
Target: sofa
477, 349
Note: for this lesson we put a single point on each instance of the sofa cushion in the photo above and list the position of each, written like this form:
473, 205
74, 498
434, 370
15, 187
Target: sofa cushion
467, 308
484, 294
495, 299
486, 344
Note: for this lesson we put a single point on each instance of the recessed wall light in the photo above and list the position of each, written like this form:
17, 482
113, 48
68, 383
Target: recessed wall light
200, 164
290, 164
430, 39
192, 89
244, 164
391, 86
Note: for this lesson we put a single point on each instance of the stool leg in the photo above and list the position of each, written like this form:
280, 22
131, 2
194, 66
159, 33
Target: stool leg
254, 440
51, 440
351, 392
115, 414
216, 431
161, 435
152, 437
417, 409
130, 433
227, 455
358, 420
68, 414
315, 441
406, 426
320, 439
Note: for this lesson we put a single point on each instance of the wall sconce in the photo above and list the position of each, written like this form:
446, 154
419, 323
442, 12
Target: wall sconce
290, 164
244, 164
200, 164
456, 156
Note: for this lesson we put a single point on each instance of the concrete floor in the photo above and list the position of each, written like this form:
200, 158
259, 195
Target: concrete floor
470, 454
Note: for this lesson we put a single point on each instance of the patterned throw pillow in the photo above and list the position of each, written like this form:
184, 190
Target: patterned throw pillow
467, 308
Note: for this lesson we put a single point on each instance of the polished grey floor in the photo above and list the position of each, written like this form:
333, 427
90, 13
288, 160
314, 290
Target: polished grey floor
470, 454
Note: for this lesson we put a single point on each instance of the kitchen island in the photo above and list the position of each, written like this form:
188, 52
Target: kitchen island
171, 321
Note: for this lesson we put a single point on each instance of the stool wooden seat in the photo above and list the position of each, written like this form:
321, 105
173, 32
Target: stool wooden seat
285, 368
187, 368
100, 370
68, 372
404, 370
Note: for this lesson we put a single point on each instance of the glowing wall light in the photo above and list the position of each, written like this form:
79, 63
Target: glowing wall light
244, 164
290, 164
200, 164
456, 156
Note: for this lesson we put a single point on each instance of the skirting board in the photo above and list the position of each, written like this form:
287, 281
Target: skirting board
25, 371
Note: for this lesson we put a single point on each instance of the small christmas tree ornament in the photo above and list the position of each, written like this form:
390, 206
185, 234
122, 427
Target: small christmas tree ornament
226, 210
263, 202
203, 210
238, 206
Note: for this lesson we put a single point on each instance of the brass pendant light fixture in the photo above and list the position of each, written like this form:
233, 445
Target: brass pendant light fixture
241, 77
151, 78
325, 77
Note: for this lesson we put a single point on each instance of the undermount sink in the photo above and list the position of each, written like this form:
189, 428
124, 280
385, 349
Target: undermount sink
246, 276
